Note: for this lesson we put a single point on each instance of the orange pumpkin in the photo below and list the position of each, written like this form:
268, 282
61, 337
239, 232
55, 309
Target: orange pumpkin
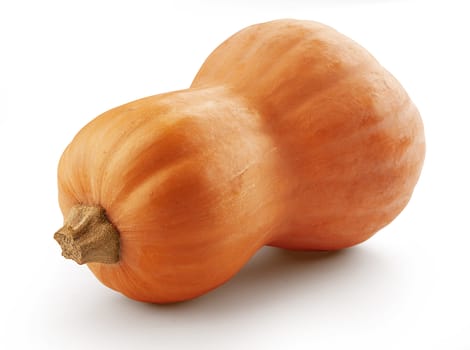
291, 135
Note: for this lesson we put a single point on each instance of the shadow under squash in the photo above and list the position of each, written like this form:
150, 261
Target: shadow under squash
274, 275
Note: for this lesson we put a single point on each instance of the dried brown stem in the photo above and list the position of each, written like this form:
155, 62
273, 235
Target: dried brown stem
88, 236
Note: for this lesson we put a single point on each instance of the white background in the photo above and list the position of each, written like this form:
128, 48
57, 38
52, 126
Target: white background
62, 63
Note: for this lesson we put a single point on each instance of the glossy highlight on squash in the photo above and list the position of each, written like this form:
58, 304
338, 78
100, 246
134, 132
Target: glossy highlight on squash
291, 135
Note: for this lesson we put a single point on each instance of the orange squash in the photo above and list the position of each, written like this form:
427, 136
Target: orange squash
291, 135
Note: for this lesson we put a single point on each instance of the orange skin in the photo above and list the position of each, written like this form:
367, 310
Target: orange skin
291, 135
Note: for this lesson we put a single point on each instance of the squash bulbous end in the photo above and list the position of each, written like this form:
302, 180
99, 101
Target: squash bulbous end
88, 236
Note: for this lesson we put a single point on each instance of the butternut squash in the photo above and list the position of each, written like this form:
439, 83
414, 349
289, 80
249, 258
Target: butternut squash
291, 135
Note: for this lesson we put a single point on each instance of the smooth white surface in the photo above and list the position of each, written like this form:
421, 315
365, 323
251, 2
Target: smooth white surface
63, 63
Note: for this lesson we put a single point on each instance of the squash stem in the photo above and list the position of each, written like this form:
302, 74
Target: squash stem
88, 236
